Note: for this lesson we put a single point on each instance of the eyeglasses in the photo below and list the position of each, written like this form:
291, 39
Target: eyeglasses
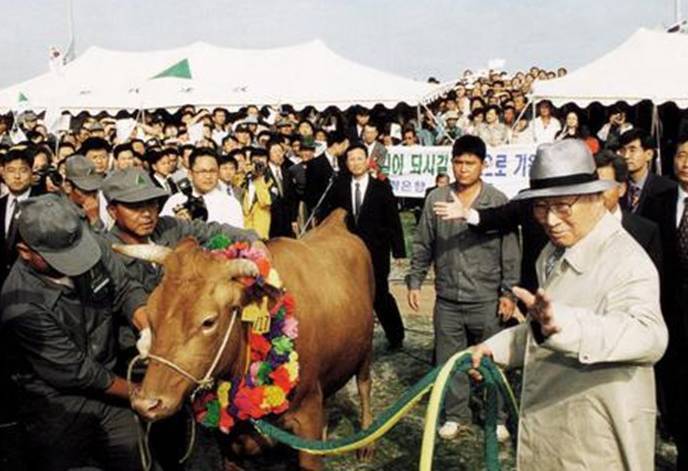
205, 171
561, 209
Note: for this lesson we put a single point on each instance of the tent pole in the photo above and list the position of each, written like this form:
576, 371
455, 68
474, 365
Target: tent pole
657, 129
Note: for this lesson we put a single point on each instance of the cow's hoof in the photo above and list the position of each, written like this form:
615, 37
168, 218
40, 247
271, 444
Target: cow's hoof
366, 454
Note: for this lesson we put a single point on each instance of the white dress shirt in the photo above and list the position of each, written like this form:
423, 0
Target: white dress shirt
163, 182
544, 133
221, 207
277, 173
680, 205
12, 201
334, 163
363, 182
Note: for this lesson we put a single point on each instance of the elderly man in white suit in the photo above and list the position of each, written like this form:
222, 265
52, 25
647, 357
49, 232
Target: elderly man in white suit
593, 332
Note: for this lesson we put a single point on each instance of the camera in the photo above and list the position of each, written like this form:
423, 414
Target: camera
193, 204
43, 173
256, 170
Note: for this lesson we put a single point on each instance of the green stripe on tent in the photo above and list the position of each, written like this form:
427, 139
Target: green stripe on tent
22, 97
180, 70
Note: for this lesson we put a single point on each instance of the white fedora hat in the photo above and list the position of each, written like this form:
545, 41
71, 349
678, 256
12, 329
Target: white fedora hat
563, 168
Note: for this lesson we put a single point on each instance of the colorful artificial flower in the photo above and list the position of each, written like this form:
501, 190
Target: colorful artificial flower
273, 370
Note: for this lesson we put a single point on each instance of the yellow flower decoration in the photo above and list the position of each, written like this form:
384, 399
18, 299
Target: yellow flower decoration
274, 396
223, 393
293, 366
274, 279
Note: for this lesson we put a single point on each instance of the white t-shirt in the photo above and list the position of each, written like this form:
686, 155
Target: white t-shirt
221, 207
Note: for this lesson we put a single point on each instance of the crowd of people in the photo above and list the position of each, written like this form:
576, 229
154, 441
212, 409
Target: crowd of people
261, 173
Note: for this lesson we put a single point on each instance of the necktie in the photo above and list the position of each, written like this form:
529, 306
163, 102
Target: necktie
357, 201
634, 197
278, 180
552, 260
683, 236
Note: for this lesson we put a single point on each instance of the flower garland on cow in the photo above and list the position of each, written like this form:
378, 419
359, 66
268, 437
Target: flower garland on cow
273, 369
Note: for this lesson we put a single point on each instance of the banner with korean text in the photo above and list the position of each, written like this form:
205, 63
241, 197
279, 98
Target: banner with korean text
412, 170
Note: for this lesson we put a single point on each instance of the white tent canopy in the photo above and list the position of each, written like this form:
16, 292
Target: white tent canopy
207, 75
649, 65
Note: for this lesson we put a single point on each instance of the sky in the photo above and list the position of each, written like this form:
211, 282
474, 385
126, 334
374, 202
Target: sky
413, 38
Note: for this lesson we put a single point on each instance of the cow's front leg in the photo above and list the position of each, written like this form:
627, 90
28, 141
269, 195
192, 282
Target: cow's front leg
308, 422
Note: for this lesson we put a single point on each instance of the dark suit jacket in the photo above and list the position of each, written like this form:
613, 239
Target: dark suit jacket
8, 241
661, 208
378, 224
283, 209
173, 185
318, 174
654, 185
646, 233
508, 218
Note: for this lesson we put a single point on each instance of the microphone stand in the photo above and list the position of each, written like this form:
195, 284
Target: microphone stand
333, 178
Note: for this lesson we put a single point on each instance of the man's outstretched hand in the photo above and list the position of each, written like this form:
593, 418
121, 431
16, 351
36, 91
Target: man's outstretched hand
450, 210
540, 308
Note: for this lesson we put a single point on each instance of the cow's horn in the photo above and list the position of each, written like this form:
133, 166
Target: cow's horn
242, 267
149, 252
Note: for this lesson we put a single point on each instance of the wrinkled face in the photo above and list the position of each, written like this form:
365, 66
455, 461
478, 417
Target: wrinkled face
467, 169
137, 219
567, 219
189, 313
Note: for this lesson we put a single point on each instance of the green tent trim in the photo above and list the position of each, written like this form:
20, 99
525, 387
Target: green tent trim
180, 70
22, 97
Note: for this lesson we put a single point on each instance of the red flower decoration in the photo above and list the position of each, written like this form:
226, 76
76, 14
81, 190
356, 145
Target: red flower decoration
260, 347
248, 401
280, 378
263, 267
226, 421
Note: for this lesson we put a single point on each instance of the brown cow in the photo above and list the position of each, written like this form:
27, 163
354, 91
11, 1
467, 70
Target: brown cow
330, 275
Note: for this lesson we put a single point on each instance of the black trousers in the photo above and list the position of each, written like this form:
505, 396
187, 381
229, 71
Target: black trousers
80, 432
385, 305
672, 375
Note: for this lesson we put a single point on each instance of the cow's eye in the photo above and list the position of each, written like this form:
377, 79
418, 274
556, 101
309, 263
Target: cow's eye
209, 322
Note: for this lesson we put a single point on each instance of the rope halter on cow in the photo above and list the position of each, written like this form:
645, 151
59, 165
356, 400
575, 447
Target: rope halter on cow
201, 384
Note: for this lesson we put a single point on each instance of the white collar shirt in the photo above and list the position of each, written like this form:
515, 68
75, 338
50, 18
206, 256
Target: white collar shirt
680, 205
221, 207
12, 201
